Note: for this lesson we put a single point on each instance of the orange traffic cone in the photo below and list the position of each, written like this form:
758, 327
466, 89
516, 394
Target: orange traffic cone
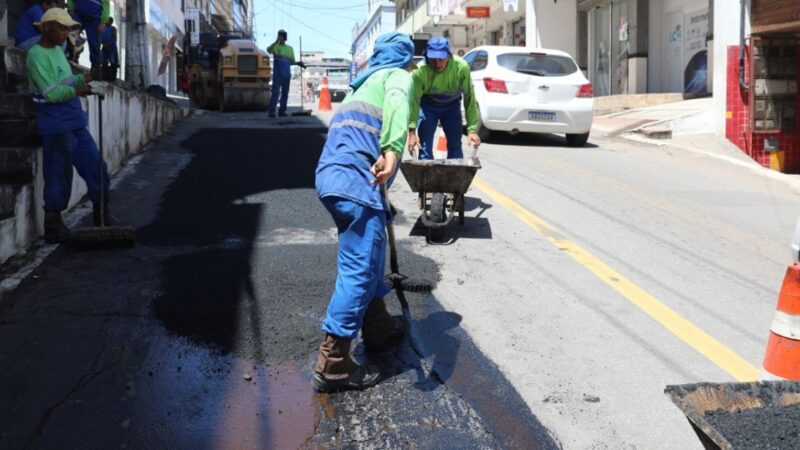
441, 144
324, 96
440, 152
782, 359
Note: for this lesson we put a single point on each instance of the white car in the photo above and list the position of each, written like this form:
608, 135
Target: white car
531, 90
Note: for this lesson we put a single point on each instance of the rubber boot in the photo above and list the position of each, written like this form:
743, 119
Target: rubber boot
381, 330
336, 370
108, 221
55, 232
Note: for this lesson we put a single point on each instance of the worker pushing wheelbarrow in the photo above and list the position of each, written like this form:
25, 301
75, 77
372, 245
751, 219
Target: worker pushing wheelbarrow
439, 87
441, 185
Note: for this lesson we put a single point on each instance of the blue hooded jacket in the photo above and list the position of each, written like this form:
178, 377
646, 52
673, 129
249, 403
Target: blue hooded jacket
392, 50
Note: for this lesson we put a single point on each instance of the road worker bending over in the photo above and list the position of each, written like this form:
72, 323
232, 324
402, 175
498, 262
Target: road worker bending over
366, 139
439, 84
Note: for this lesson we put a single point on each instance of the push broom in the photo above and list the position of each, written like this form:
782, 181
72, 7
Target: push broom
102, 236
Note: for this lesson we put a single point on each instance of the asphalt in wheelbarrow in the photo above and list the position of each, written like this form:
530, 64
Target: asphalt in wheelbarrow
771, 427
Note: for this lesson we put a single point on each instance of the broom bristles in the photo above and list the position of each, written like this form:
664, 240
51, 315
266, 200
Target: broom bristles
102, 237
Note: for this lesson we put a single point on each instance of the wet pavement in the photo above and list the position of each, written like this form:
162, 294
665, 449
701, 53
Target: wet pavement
204, 335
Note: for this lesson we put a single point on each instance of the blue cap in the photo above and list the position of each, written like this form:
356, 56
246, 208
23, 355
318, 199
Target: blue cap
438, 48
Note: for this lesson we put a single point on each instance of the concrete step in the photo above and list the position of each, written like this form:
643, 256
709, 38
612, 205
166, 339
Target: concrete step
18, 132
14, 73
17, 106
17, 165
656, 132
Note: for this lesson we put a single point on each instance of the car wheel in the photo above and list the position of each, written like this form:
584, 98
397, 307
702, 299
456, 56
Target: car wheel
577, 140
483, 132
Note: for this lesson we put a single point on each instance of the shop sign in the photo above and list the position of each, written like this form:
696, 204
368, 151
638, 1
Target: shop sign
479, 12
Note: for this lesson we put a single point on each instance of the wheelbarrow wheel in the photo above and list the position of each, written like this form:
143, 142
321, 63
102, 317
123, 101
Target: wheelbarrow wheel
437, 214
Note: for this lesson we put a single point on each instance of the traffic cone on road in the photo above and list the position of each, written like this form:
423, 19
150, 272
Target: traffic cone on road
441, 147
782, 359
324, 96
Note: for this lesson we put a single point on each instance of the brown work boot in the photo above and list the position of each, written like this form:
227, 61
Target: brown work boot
55, 232
381, 330
336, 370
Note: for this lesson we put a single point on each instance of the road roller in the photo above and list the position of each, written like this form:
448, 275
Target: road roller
229, 73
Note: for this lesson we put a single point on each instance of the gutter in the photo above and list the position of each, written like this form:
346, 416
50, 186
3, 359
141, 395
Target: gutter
742, 83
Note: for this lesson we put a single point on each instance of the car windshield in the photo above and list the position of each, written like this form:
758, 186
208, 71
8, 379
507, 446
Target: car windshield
538, 64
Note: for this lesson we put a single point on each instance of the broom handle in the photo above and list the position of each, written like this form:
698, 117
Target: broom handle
102, 162
390, 233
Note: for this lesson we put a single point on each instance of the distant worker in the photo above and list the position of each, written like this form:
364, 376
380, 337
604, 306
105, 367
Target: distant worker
28, 28
61, 122
109, 42
283, 57
92, 15
366, 139
439, 85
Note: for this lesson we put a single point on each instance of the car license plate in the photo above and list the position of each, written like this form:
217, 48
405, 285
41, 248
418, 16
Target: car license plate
542, 116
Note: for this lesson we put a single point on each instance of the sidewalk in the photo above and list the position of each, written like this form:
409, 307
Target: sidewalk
681, 125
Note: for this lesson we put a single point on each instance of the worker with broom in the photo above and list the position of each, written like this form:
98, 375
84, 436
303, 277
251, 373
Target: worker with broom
62, 123
366, 139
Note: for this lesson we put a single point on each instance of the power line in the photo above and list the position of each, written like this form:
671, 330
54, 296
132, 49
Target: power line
306, 26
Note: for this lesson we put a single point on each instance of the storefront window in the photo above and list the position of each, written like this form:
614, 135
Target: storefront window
600, 73
620, 46
610, 48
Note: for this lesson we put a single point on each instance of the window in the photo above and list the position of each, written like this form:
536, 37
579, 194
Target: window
470, 57
538, 64
481, 59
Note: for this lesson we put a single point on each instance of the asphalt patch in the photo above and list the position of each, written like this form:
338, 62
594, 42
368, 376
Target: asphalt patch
204, 335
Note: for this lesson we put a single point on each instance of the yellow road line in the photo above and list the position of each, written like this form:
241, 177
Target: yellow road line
696, 338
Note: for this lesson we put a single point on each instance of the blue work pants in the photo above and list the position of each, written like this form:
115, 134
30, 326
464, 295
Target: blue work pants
361, 265
90, 25
60, 152
450, 117
280, 86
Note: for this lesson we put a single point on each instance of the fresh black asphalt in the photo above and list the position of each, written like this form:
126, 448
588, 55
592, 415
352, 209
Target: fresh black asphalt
204, 334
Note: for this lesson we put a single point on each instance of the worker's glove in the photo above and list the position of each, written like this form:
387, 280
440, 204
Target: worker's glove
98, 87
302, 64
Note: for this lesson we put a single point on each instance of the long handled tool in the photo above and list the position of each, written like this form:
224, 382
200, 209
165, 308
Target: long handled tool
397, 280
102, 236
303, 111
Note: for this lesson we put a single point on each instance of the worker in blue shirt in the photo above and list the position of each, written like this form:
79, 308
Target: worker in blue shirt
109, 41
92, 15
28, 32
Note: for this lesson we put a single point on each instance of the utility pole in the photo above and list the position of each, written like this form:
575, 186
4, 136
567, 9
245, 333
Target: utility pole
137, 67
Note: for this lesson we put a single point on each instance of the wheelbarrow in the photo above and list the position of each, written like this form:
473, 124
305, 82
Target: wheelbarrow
760, 414
441, 185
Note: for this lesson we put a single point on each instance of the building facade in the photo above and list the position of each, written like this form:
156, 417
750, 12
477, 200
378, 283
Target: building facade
470, 23
380, 20
646, 46
757, 77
